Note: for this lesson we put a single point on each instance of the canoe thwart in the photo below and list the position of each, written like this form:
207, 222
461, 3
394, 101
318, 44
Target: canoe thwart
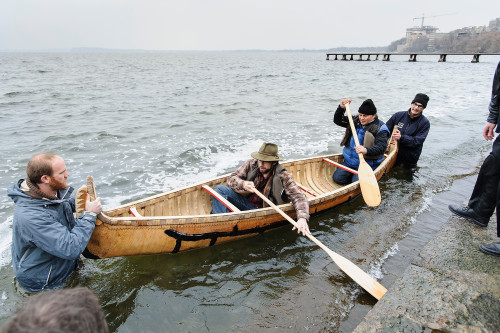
223, 200
338, 165
134, 212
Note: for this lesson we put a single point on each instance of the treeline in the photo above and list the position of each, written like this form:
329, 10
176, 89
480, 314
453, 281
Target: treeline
485, 42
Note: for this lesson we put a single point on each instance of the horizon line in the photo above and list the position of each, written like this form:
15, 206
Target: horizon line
103, 49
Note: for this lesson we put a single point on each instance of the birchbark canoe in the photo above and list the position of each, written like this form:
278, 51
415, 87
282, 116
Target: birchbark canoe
180, 219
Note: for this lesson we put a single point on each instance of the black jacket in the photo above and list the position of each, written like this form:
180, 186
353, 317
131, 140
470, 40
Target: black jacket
494, 116
413, 134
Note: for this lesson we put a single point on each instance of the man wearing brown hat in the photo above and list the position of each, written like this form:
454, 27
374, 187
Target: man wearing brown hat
264, 173
412, 130
372, 135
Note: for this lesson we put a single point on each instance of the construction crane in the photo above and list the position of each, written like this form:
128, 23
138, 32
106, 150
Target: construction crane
423, 17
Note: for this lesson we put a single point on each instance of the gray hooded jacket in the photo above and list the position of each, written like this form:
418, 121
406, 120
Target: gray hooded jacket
46, 239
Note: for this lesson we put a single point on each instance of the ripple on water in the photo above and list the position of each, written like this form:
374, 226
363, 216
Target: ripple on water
147, 123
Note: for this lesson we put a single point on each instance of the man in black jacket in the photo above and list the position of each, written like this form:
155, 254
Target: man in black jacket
486, 193
412, 130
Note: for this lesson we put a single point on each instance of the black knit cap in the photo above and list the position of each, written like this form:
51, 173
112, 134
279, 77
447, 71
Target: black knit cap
367, 107
421, 98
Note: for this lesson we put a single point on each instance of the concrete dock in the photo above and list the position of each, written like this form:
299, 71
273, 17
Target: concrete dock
450, 286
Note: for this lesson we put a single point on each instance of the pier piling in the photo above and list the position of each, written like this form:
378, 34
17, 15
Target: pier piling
387, 55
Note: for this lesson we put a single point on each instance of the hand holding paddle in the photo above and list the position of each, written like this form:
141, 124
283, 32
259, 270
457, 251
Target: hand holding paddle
396, 134
364, 280
367, 179
300, 225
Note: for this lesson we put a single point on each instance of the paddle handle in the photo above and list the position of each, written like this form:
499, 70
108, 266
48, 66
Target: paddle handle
351, 122
289, 219
271, 204
353, 129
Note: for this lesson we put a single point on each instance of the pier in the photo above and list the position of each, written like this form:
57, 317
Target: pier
386, 56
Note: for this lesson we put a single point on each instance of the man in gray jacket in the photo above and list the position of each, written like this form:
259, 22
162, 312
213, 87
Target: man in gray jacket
47, 240
486, 193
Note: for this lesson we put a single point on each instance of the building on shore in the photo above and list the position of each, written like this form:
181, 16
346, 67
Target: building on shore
426, 38
494, 25
422, 37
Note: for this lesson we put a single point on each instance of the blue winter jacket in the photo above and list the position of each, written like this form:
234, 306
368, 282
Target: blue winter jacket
46, 239
413, 134
351, 158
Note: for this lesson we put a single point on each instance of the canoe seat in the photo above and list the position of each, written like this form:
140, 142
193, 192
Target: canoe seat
134, 211
223, 200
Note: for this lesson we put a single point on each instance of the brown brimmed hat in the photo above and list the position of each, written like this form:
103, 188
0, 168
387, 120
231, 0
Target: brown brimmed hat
268, 152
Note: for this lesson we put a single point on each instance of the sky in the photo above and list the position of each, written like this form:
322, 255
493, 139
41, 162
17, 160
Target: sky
227, 24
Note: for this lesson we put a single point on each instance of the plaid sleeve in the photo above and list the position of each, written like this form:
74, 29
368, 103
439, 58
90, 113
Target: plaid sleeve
295, 195
236, 179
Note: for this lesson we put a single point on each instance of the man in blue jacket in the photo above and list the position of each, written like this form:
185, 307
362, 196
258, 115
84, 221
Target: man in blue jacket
486, 193
372, 133
412, 130
47, 240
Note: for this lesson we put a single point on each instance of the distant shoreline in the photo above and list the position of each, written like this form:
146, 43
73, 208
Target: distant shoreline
105, 50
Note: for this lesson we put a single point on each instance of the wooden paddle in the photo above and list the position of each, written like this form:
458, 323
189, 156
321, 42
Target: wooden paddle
364, 280
367, 179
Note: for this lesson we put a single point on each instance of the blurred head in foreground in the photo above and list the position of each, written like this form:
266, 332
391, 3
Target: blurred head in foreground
56, 311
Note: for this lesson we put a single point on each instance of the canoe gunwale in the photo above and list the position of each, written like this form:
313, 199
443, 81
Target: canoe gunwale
130, 235
165, 220
224, 217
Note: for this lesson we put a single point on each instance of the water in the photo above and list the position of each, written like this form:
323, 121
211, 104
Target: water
145, 123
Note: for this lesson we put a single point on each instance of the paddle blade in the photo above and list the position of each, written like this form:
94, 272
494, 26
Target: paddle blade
357, 274
364, 280
368, 183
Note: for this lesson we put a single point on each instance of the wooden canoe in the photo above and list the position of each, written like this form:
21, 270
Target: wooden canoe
180, 220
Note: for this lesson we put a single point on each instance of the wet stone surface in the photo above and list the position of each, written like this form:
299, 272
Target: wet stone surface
450, 286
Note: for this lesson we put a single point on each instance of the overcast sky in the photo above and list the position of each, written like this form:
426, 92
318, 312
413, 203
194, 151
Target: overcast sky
227, 24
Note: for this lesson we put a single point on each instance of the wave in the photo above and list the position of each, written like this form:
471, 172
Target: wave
5, 242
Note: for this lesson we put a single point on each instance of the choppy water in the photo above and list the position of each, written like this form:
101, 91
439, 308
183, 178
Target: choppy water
146, 123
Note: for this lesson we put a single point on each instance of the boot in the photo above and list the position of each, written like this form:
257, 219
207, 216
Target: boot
469, 214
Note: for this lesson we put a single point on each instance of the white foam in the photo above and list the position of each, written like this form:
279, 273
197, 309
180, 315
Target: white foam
376, 267
5, 241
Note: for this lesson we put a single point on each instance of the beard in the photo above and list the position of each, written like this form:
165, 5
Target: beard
264, 171
57, 185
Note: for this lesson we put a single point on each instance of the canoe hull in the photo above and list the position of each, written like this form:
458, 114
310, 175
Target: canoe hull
119, 233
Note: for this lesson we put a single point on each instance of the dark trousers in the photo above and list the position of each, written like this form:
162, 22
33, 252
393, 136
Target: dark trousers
486, 194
